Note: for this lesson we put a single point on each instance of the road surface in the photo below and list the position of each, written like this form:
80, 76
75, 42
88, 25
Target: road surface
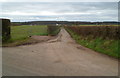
58, 57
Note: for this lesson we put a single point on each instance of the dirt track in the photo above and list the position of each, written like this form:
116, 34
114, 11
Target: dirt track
58, 57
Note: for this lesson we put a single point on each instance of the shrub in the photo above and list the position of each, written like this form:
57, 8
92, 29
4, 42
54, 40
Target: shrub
105, 32
53, 30
105, 40
5, 29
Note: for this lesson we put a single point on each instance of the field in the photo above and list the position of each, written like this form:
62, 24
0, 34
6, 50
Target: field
97, 25
23, 32
99, 40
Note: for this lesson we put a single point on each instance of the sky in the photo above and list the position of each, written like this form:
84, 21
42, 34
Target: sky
59, 11
59, 0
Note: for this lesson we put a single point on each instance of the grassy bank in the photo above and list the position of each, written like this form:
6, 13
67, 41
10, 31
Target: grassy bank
106, 46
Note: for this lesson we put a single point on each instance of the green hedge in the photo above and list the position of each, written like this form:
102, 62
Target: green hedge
5, 29
53, 30
105, 32
100, 41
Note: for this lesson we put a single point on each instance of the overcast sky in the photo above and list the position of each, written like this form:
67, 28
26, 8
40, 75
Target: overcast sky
59, 0
59, 11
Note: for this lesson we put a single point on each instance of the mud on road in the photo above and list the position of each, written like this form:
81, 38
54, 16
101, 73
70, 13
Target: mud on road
57, 57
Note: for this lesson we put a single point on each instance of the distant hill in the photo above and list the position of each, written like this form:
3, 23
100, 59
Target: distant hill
64, 23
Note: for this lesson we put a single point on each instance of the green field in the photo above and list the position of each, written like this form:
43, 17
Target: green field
23, 32
95, 25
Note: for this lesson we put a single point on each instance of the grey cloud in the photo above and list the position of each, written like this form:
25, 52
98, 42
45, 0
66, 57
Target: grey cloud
97, 11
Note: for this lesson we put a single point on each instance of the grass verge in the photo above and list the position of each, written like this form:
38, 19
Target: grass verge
106, 46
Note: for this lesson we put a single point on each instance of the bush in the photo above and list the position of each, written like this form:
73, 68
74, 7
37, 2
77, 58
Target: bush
110, 47
5, 29
105, 32
53, 30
